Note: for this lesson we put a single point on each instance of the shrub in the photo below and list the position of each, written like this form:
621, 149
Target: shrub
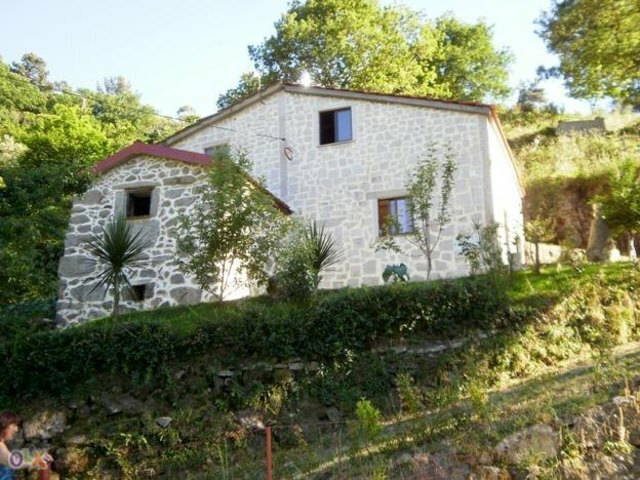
338, 323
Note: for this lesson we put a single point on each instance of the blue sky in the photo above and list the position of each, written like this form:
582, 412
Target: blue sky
188, 52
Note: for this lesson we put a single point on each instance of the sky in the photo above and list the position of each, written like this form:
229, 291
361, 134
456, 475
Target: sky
187, 52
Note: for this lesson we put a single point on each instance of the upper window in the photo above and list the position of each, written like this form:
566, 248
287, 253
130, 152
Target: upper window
139, 203
394, 216
216, 150
335, 126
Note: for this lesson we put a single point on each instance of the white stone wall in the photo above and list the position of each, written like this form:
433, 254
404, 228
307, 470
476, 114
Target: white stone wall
339, 184
175, 185
506, 196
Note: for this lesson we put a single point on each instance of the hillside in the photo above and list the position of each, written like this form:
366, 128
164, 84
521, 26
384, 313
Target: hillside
388, 382
562, 174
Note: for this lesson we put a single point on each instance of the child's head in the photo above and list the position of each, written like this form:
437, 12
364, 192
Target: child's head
9, 422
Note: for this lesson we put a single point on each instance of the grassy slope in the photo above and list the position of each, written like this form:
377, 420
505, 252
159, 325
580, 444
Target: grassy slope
494, 387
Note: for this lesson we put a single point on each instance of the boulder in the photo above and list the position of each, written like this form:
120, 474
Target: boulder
45, 425
485, 472
538, 442
163, 422
115, 404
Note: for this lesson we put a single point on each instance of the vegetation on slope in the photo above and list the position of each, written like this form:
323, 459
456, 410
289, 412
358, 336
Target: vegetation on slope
559, 316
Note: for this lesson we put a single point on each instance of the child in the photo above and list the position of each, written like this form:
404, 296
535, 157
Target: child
9, 461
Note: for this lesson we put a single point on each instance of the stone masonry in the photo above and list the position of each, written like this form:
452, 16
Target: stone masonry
338, 185
174, 192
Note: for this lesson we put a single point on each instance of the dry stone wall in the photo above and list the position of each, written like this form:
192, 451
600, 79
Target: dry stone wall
174, 193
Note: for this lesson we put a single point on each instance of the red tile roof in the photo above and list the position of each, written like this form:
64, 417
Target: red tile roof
162, 151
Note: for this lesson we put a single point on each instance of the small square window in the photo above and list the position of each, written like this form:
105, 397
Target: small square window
139, 203
139, 293
335, 126
394, 216
222, 149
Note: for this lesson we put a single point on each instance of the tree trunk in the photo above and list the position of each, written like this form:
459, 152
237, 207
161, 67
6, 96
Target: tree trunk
116, 299
537, 247
633, 255
598, 238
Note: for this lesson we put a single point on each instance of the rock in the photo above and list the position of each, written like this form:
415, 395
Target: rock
92, 197
485, 472
439, 466
250, 421
333, 415
121, 404
45, 425
163, 422
76, 440
539, 441
186, 295
75, 266
72, 460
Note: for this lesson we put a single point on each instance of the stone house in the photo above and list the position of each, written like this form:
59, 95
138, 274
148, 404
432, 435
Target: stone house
340, 157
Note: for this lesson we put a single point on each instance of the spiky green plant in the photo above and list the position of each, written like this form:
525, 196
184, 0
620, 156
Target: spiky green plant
321, 250
117, 249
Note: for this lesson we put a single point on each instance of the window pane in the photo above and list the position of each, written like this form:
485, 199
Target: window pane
394, 216
327, 128
215, 150
343, 125
404, 216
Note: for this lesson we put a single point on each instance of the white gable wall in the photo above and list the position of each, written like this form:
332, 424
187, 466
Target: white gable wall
506, 196
339, 184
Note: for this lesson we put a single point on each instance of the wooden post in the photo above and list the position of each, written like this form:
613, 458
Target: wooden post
267, 432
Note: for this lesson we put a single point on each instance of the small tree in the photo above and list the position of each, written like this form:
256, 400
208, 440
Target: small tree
621, 206
537, 231
309, 251
234, 228
430, 214
118, 249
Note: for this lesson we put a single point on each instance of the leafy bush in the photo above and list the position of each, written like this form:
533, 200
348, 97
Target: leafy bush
333, 326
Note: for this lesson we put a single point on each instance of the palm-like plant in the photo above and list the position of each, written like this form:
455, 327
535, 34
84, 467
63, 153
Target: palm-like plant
321, 250
118, 248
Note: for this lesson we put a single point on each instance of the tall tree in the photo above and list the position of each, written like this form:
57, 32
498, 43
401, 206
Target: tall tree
33, 68
361, 45
598, 42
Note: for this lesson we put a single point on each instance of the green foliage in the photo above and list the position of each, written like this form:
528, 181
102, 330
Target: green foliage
431, 176
481, 249
539, 230
620, 207
411, 398
396, 273
337, 324
117, 249
598, 43
308, 251
363, 45
50, 136
248, 84
367, 427
234, 229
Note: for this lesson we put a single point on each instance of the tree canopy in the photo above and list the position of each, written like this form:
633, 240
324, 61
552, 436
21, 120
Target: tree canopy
361, 45
598, 42
50, 135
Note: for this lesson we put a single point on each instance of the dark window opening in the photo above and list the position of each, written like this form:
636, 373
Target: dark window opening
394, 216
140, 292
139, 203
218, 150
137, 292
335, 126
